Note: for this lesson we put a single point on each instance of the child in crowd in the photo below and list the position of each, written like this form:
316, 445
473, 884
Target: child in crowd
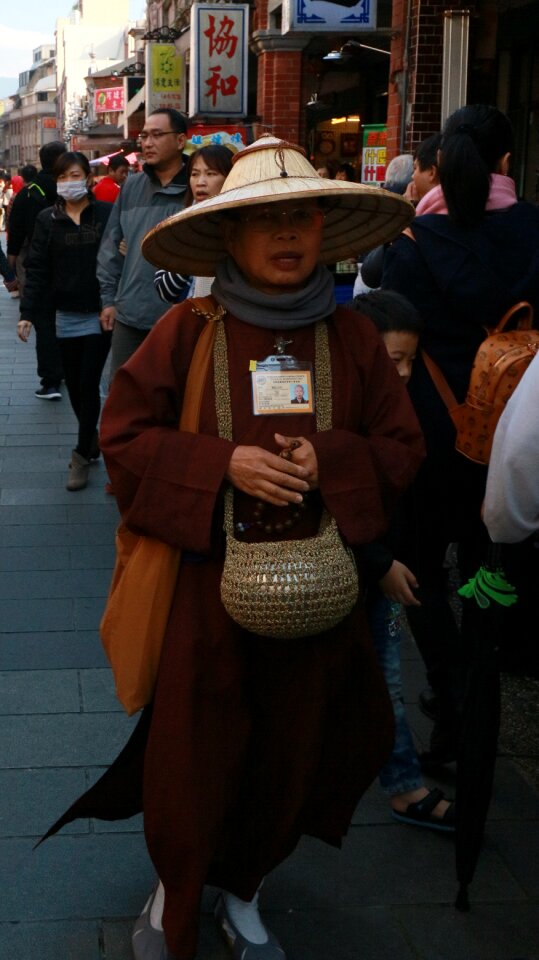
392, 584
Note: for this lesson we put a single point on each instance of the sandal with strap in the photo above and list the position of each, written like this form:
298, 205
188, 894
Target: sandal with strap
420, 814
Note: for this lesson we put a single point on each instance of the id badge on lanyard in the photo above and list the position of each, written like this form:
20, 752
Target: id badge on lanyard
281, 383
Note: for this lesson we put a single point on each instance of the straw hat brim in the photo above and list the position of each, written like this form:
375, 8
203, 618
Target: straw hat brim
357, 219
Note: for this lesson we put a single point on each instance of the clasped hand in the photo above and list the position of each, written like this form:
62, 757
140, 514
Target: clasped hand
275, 478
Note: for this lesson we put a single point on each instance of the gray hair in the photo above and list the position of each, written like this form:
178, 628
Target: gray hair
399, 173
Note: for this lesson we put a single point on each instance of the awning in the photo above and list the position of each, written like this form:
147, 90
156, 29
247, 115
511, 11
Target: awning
45, 84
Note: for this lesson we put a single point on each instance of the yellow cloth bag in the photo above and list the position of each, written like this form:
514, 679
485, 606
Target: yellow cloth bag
144, 577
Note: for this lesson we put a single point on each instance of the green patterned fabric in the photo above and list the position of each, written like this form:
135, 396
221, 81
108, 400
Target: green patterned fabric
488, 585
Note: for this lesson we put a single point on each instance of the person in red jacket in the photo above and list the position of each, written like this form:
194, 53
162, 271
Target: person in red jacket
109, 187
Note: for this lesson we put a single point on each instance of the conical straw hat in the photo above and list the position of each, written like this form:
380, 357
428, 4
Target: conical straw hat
357, 217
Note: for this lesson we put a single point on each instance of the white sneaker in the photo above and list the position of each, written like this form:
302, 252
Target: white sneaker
241, 948
147, 942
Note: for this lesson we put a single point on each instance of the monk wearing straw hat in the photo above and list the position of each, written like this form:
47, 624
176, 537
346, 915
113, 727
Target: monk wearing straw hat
269, 717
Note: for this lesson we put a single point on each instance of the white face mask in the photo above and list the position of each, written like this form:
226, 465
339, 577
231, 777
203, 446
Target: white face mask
72, 189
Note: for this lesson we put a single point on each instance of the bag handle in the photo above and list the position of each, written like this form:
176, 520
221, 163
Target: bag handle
200, 362
322, 366
525, 322
441, 384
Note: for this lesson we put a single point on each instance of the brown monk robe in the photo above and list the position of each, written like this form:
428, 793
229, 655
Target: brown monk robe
253, 742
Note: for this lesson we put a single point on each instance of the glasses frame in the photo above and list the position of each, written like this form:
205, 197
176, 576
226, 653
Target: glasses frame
277, 216
155, 135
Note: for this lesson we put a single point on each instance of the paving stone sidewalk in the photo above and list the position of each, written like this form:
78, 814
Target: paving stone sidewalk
388, 895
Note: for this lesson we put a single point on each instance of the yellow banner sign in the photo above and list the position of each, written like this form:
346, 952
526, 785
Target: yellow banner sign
164, 77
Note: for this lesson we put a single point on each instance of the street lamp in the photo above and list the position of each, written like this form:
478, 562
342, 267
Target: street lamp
353, 48
132, 70
164, 34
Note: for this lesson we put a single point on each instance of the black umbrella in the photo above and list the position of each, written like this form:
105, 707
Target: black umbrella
487, 597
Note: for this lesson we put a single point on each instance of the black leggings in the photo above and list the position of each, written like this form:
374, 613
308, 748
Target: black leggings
83, 360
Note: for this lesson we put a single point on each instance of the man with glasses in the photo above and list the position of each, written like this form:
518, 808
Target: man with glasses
131, 305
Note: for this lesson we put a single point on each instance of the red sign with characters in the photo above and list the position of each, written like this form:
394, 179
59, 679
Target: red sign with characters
109, 100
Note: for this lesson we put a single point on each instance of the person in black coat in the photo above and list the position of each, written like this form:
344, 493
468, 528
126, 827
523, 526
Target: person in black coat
61, 265
462, 266
36, 196
10, 280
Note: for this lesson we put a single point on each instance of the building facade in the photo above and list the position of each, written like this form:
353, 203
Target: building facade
6, 106
358, 89
500, 66
92, 38
32, 120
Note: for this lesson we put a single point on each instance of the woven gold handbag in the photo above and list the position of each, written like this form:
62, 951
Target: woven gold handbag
293, 588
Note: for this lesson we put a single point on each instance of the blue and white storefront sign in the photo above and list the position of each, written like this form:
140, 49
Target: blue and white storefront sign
305, 16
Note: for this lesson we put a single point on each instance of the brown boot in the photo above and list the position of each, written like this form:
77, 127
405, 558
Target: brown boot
78, 472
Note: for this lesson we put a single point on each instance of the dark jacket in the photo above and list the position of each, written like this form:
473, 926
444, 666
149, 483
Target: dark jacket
461, 281
27, 206
62, 260
5, 269
372, 266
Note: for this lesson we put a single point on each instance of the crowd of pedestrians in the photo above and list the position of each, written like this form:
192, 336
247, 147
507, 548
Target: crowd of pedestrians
463, 264
283, 736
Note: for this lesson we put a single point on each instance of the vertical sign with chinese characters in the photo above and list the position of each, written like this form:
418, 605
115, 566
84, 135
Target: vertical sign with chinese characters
374, 157
163, 77
219, 48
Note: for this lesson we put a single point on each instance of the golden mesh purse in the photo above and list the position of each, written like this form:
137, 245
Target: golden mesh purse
291, 588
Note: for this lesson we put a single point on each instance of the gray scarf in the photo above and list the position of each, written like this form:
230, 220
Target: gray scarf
285, 311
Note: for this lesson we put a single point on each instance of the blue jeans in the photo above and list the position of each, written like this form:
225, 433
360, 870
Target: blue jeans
402, 771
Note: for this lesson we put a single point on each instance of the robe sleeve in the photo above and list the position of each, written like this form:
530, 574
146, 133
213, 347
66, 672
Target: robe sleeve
362, 473
166, 482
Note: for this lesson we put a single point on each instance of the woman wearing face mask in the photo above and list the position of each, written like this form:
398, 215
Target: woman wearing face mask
62, 262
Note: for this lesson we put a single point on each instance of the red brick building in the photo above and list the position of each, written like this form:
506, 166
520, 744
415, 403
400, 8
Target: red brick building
390, 75
499, 64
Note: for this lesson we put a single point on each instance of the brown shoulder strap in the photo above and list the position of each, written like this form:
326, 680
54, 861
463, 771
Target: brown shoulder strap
439, 381
200, 362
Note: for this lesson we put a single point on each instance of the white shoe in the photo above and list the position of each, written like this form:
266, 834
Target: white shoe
147, 942
241, 948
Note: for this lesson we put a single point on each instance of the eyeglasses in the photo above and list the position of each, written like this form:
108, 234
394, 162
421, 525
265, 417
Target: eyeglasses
270, 218
155, 135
